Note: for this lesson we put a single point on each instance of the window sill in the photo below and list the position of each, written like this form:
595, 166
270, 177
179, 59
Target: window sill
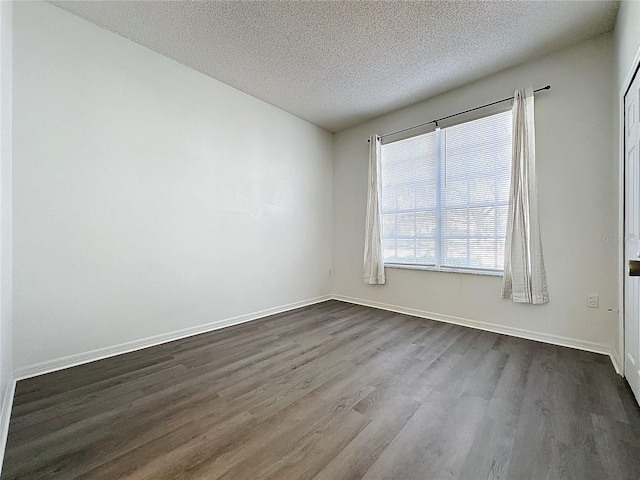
487, 273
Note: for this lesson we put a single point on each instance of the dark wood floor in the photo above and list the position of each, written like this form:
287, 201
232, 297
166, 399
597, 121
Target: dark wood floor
333, 391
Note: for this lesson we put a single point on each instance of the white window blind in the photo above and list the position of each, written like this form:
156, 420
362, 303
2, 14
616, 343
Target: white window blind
445, 196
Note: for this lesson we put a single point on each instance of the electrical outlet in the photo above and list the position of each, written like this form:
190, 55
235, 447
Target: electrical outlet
593, 301
329, 272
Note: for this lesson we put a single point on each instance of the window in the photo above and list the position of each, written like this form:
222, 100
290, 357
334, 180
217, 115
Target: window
445, 196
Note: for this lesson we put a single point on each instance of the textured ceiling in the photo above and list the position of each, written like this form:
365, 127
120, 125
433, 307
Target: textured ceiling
338, 63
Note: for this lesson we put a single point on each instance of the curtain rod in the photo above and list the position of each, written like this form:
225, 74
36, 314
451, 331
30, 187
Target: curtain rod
548, 87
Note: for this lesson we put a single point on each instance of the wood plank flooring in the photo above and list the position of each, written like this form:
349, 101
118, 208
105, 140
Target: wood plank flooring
332, 391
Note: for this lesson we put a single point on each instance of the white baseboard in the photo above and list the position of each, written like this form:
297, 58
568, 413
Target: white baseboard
615, 360
490, 327
101, 353
98, 354
7, 405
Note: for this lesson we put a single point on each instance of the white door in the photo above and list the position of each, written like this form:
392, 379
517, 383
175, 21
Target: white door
632, 236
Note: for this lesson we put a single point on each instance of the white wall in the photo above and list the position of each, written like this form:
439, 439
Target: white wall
627, 38
6, 361
627, 48
577, 182
149, 198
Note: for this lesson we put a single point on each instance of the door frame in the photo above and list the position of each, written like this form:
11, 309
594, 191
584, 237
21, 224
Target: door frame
619, 355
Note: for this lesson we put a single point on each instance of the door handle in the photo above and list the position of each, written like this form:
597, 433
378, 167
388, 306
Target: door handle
634, 268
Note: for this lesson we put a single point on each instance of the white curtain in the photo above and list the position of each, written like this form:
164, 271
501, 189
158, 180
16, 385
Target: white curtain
524, 278
373, 260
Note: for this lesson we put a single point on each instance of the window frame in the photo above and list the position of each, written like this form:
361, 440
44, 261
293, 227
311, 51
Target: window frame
438, 209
